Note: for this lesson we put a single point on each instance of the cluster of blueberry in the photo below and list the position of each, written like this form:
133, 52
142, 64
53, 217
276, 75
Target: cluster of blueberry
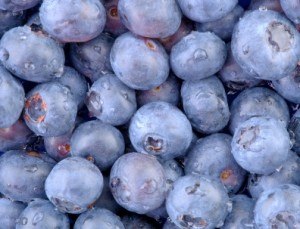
119, 114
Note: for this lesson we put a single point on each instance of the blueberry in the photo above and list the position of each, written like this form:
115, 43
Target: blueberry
278, 208
98, 142
113, 24
42, 214
169, 92
15, 136
223, 27
288, 173
261, 145
22, 174
140, 63
233, 76
98, 218
197, 56
258, 102
92, 58
242, 213
76, 83
49, 115
205, 104
10, 20
184, 29
73, 20
154, 19
12, 5
291, 9
138, 182
31, 55
189, 193
11, 99
58, 147
266, 4
206, 10
211, 156
9, 213
160, 129
111, 101
288, 87
73, 185
269, 52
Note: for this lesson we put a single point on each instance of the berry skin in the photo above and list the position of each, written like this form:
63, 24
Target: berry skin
9, 213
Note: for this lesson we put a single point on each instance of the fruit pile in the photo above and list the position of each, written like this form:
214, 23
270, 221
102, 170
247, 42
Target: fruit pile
141, 114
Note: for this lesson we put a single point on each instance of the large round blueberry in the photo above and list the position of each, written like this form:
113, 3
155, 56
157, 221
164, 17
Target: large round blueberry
99, 142
269, 52
12, 97
197, 56
49, 115
92, 58
138, 182
211, 156
74, 185
206, 10
141, 63
147, 18
42, 214
205, 104
278, 207
9, 213
261, 145
111, 101
31, 55
73, 20
256, 102
198, 202
288, 173
160, 129
23, 174
98, 218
